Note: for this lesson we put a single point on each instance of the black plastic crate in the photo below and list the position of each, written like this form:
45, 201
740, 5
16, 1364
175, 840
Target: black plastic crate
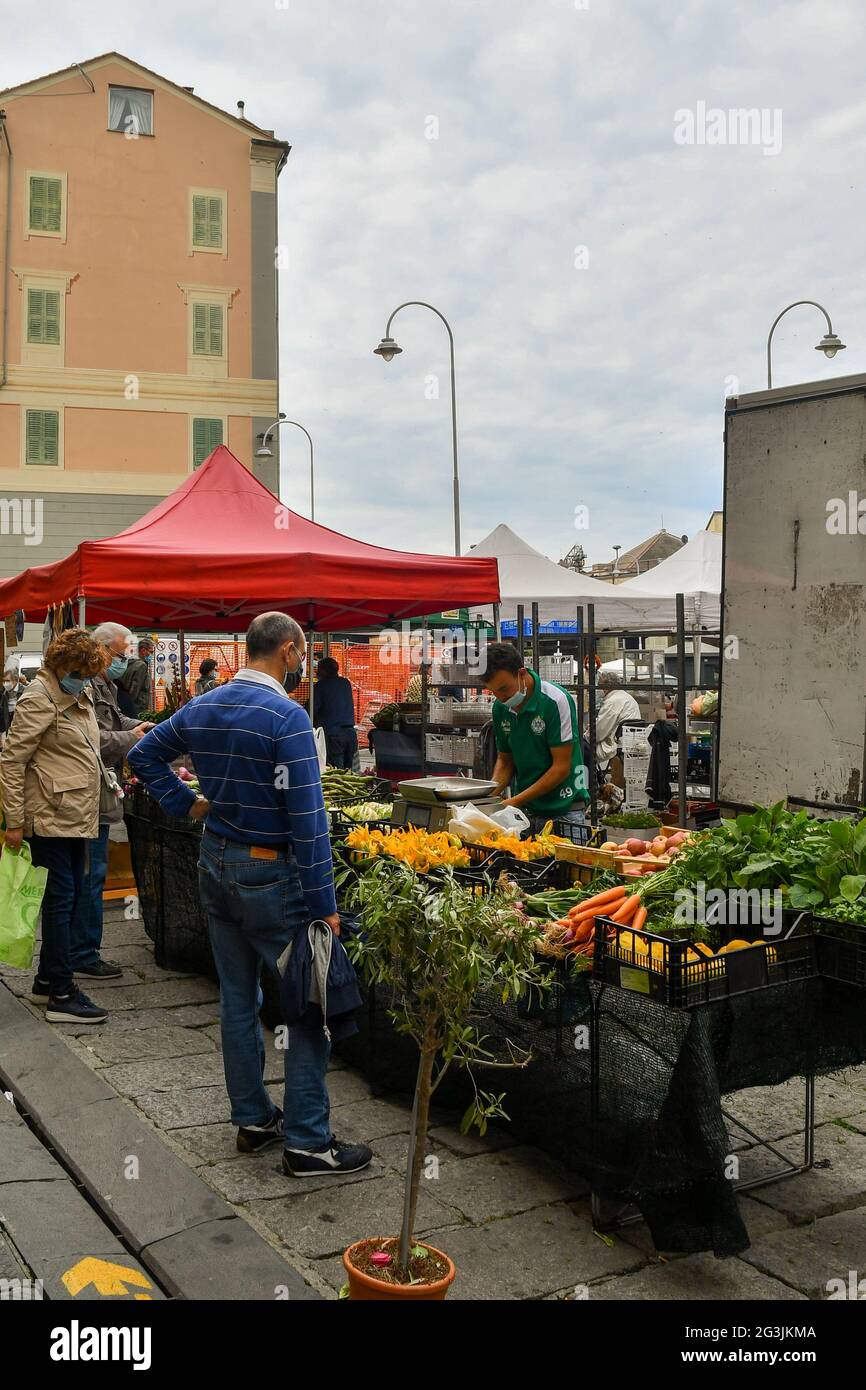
573, 831
841, 950
342, 824
665, 973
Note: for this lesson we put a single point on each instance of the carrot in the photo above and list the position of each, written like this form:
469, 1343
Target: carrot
625, 911
600, 900
639, 918
584, 931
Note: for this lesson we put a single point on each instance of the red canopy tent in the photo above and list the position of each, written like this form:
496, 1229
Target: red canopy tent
221, 548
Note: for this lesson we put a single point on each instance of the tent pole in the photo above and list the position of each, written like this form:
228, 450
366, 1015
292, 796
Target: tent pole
590, 682
535, 651
497, 623
682, 712
311, 653
519, 638
181, 637
82, 609
581, 703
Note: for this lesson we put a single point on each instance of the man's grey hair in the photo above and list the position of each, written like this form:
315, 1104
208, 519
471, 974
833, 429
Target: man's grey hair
609, 680
109, 632
269, 631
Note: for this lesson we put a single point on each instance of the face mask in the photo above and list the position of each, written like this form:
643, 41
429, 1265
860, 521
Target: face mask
73, 685
516, 699
117, 667
7, 685
293, 678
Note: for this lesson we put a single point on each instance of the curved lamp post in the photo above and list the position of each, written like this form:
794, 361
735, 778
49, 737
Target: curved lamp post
265, 453
829, 344
387, 350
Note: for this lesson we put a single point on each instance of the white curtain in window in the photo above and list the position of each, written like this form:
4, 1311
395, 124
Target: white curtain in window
130, 111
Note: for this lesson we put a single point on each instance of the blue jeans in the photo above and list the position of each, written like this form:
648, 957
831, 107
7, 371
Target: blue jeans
341, 745
254, 907
64, 860
86, 932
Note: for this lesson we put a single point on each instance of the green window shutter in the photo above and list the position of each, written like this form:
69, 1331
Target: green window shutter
206, 435
207, 330
215, 223
45, 204
42, 436
207, 222
35, 315
199, 328
43, 316
215, 330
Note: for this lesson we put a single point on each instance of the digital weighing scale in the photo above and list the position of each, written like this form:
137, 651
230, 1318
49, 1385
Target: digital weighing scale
431, 802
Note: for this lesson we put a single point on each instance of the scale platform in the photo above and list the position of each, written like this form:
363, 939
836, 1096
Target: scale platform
432, 801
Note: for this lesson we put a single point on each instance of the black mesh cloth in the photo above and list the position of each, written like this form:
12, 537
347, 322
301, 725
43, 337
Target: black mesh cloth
646, 1126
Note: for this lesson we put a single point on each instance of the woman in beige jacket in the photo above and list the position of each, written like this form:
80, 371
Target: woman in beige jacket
51, 781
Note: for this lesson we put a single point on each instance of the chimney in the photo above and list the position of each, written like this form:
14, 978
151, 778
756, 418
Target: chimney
241, 105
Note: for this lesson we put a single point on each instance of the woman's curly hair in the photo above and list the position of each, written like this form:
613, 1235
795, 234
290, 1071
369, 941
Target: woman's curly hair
75, 650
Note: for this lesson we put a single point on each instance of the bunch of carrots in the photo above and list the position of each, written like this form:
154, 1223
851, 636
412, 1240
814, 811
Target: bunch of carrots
617, 903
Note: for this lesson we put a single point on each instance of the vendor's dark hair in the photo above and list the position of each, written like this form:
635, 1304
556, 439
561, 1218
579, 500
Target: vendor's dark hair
207, 666
269, 631
502, 656
328, 667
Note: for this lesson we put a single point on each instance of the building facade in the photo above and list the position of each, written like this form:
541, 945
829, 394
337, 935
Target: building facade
138, 235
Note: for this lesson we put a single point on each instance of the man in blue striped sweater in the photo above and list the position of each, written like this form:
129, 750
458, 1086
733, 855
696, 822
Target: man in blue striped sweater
265, 872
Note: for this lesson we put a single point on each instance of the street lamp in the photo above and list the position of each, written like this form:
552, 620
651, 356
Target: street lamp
265, 453
830, 344
388, 350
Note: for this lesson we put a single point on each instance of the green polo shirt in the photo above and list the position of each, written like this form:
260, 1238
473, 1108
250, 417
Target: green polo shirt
547, 720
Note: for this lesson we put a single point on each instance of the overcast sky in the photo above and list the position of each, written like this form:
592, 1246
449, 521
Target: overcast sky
594, 385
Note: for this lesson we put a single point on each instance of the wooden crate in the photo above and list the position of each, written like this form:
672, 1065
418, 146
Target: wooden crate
599, 860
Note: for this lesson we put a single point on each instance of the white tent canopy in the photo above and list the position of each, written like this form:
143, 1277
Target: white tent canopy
527, 576
695, 571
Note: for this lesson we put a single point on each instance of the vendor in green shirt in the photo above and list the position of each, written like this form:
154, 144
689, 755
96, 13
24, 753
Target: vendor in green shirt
537, 739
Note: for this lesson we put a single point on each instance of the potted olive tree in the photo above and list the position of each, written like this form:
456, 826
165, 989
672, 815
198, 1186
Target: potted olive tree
434, 945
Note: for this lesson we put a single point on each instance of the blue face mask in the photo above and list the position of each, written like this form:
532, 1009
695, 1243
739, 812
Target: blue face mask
73, 685
117, 667
514, 700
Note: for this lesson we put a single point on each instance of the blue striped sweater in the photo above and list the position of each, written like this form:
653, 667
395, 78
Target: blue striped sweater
255, 757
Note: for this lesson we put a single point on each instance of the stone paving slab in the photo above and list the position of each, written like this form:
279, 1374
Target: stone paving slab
118, 931
262, 1177
368, 1120
323, 1222
758, 1220
200, 1105
163, 1074
468, 1145
138, 1044
822, 1190
775, 1111
226, 1260
805, 1258
214, 1143
54, 1228
503, 1184
530, 1255
700, 1277
192, 989
191, 1016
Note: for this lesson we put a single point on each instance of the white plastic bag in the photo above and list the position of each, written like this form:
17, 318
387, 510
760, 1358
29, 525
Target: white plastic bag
321, 748
471, 824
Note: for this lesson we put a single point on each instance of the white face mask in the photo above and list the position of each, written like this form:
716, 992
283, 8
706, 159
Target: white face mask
7, 685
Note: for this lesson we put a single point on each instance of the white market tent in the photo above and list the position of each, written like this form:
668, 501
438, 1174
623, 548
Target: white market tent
527, 576
695, 571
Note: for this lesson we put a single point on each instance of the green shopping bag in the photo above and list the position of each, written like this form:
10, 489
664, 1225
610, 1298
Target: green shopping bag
22, 886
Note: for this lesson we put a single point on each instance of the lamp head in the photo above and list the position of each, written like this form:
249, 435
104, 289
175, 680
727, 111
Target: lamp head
387, 349
830, 344
263, 453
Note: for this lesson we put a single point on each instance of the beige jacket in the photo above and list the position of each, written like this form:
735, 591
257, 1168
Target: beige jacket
49, 774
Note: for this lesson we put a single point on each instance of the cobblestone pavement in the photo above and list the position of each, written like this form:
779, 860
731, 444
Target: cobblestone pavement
516, 1224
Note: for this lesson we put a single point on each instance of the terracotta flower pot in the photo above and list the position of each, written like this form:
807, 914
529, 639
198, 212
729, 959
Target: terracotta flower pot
364, 1286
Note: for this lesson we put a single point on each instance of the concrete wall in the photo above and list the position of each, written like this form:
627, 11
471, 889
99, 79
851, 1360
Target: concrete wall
794, 694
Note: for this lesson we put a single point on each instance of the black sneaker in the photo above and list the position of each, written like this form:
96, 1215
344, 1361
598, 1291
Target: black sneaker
74, 1007
337, 1158
101, 970
40, 991
253, 1138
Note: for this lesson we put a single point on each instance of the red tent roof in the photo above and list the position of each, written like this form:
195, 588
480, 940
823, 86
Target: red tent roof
221, 548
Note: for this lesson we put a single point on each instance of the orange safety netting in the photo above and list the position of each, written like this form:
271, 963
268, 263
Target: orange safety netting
378, 677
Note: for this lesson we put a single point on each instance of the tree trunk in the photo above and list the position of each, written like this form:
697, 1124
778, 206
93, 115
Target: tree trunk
417, 1148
